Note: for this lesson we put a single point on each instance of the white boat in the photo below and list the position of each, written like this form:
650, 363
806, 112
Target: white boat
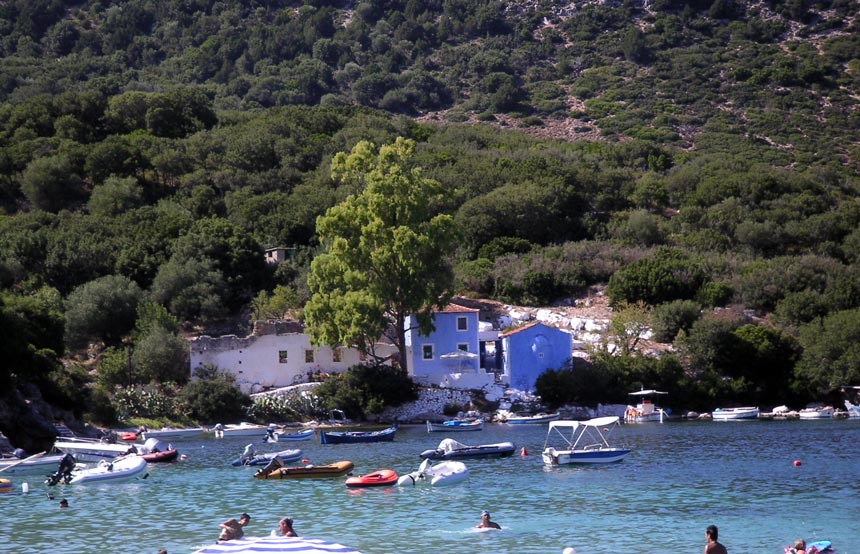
245, 429
732, 414
583, 442
449, 448
121, 469
822, 412
536, 419
38, 464
644, 410
448, 472
852, 409
92, 450
455, 425
172, 434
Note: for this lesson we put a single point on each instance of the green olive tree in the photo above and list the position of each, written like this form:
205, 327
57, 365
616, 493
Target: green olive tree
384, 252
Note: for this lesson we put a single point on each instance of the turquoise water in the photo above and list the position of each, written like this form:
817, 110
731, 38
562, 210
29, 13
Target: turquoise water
680, 478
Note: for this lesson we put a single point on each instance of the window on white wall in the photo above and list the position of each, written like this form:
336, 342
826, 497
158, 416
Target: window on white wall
309, 356
282, 356
462, 323
427, 352
335, 355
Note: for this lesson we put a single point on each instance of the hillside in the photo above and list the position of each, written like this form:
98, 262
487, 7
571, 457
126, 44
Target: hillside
697, 161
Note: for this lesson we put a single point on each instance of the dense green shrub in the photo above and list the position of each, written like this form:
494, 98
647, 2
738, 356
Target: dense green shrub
364, 390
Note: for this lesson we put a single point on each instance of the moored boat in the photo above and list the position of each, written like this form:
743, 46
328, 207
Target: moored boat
448, 472
92, 450
301, 435
381, 478
37, 464
349, 437
644, 410
244, 429
822, 412
852, 409
735, 414
123, 468
170, 433
277, 470
455, 425
584, 442
532, 419
449, 449
155, 451
250, 457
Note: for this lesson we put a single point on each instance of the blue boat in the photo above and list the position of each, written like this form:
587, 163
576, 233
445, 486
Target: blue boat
456, 425
349, 437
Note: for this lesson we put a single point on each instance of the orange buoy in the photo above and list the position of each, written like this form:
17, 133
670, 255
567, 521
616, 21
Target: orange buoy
796, 463
523, 452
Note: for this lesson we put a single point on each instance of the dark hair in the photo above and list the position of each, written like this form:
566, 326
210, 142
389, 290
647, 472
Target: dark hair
712, 531
246, 516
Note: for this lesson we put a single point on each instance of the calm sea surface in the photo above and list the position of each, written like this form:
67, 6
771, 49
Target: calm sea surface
680, 478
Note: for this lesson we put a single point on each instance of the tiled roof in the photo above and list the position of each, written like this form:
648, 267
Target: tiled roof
518, 329
456, 308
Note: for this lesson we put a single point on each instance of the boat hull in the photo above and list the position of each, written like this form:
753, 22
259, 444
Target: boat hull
174, 434
93, 451
585, 456
441, 474
337, 469
303, 435
381, 478
351, 437
39, 466
123, 469
286, 456
735, 414
816, 413
497, 450
455, 426
532, 420
163, 457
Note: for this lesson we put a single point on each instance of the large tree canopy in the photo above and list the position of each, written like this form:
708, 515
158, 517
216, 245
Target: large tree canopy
385, 253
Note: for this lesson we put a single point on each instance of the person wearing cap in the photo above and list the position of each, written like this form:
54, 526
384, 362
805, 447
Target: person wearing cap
486, 523
285, 526
232, 529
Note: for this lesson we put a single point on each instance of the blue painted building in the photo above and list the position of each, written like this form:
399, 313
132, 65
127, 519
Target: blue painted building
451, 348
530, 350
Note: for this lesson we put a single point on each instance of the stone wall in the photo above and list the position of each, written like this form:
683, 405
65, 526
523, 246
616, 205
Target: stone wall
430, 405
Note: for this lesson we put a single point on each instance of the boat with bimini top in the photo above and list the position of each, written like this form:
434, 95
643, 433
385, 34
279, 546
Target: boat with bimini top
583, 442
643, 410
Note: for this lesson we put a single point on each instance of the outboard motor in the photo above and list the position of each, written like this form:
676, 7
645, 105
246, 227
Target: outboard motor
64, 472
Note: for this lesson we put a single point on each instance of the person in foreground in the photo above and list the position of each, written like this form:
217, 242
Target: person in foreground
285, 526
713, 546
798, 548
486, 523
232, 529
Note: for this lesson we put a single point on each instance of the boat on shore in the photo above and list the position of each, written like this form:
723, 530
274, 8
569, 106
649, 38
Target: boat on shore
822, 412
583, 442
644, 410
455, 425
852, 409
735, 414
447, 472
381, 478
351, 437
277, 470
532, 419
449, 449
